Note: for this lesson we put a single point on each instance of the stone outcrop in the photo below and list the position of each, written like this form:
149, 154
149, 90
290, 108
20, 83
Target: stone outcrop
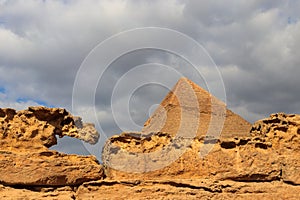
265, 154
47, 168
282, 131
39, 126
268, 157
24, 155
178, 155
264, 164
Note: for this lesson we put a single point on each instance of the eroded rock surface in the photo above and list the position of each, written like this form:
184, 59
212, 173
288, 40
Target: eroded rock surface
267, 154
25, 159
282, 131
47, 168
261, 161
38, 126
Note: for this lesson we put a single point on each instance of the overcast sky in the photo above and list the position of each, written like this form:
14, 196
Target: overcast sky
255, 45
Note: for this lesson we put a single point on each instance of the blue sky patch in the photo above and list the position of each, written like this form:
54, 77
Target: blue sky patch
292, 20
24, 100
2, 89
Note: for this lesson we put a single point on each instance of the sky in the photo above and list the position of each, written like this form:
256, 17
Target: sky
248, 59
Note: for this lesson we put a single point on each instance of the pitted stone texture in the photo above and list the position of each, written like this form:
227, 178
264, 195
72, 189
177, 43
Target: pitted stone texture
47, 168
38, 127
26, 161
271, 156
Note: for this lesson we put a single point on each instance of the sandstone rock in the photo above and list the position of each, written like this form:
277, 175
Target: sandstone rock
240, 159
24, 157
186, 189
47, 168
38, 127
263, 155
283, 132
263, 165
63, 193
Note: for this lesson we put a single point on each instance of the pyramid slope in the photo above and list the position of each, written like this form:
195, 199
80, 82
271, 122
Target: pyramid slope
188, 102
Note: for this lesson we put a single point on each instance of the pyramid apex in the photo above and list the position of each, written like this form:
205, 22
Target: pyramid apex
183, 78
186, 81
183, 88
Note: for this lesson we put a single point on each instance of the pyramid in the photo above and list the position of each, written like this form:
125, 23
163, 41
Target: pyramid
190, 111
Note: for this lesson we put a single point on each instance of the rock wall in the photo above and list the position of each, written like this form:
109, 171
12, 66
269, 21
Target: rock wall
282, 132
265, 165
269, 153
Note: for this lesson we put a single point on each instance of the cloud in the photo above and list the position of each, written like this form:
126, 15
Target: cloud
254, 43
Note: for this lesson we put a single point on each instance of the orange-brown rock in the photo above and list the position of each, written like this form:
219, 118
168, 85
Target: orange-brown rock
24, 156
157, 161
179, 189
263, 165
34, 193
240, 159
47, 168
282, 131
38, 127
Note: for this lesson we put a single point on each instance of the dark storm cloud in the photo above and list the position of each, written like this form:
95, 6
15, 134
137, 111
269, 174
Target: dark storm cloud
254, 43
